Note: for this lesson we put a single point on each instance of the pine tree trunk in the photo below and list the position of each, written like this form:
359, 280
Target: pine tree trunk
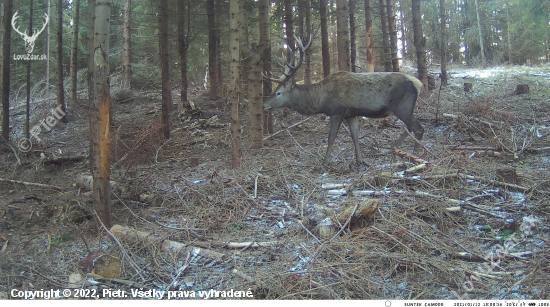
404, 50
74, 49
126, 45
368, 36
99, 117
235, 121
59, 53
393, 36
481, 44
289, 28
47, 88
342, 35
212, 65
352, 38
164, 67
307, 58
325, 49
91, 46
385, 37
443, 43
6, 43
265, 52
183, 6
420, 45
509, 22
28, 101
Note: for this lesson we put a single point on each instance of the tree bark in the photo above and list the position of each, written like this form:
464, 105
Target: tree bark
404, 51
100, 110
91, 46
164, 67
481, 44
212, 64
47, 88
183, 28
385, 37
265, 52
368, 36
393, 36
309, 51
74, 49
28, 100
6, 43
235, 121
325, 49
420, 45
509, 22
443, 43
126, 45
59, 53
352, 38
342, 35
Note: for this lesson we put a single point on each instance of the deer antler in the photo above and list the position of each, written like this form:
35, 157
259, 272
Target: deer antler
289, 69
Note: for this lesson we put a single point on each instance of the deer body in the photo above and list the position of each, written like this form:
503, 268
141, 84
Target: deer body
345, 95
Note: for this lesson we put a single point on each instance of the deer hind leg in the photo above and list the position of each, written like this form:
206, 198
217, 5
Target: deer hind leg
405, 114
354, 130
335, 122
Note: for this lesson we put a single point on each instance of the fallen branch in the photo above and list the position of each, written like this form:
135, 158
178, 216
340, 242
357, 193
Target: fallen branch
167, 245
409, 156
291, 126
32, 184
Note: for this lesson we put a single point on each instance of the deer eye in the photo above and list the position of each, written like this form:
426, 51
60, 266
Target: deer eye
278, 94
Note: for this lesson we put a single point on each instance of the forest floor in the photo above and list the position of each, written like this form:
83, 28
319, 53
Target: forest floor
471, 222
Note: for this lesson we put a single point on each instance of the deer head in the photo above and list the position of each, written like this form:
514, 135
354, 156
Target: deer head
29, 40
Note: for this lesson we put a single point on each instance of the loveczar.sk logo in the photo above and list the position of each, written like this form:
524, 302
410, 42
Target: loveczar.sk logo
29, 40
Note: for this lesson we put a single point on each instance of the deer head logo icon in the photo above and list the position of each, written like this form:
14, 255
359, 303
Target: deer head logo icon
29, 40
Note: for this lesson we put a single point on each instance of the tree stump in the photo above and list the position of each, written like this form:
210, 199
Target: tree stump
508, 175
467, 87
521, 89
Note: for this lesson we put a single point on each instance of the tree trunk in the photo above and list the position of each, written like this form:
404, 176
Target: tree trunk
212, 65
164, 67
6, 44
219, 71
100, 110
385, 37
481, 44
243, 47
443, 43
91, 46
265, 52
325, 49
393, 36
183, 7
47, 88
353, 40
289, 27
368, 36
235, 120
59, 53
74, 49
342, 35
509, 22
28, 101
1, 44
309, 51
404, 51
126, 45
420, 45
